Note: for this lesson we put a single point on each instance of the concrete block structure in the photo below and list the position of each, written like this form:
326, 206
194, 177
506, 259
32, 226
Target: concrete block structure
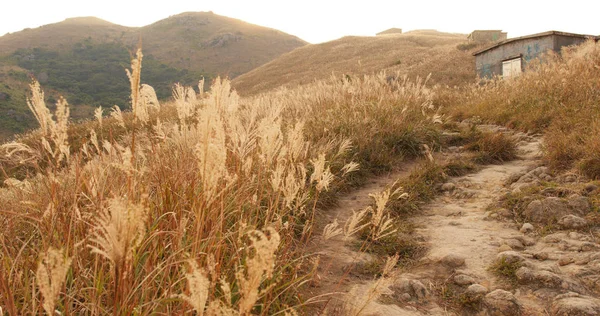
508, 58
487, 36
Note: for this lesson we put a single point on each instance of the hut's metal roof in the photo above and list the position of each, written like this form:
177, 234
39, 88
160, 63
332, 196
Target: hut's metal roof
510, 40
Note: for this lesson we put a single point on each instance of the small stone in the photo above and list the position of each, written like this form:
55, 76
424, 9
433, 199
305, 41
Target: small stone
580, 205
546, 278
554, 238
524, 275
504, 212
526, 228
504, 248
449, 186
419, 290
453, 260
588, 246
494, 215
541, 256
514, 244
487, 216
575, 304
501, 302
582, 261
463, 279
563, 261
539, 170
546, 211
510, 257
589, 188
475, 290
404, 297
575, 235
572, 222
528, 241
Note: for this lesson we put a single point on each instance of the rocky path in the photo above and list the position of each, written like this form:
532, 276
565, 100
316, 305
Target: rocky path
546, 274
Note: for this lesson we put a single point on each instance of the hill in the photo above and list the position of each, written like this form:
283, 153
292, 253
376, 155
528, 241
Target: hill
412, 53
84, 59
213, 43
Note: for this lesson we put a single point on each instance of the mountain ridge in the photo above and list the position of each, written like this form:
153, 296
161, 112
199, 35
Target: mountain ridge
84, 59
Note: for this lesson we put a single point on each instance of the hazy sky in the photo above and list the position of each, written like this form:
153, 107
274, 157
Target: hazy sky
323, 20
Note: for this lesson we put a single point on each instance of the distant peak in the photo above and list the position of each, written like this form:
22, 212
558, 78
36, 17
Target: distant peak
87, 20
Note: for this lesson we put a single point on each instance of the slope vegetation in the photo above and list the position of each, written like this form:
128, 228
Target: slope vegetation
83, 59
416, 53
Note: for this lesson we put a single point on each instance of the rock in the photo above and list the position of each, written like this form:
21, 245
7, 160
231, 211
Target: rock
589, 188
476, 291
546, 211
570, 177
572, 304
404, 297
579, 205
524, 275
504, 213
504, 248
453, 260
514, 177
565, 260
541, 256
487, 216
463, 279
572, 222
501, 302
449, 186
514, 244
418, 289
558, 191
510, 257
581, 261
588, 246
539, 171
554, 238
527, 241
575, 235
526, 228
544, 278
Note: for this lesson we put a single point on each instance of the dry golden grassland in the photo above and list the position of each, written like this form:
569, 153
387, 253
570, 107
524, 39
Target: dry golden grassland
416, 53
558, 95
205, 203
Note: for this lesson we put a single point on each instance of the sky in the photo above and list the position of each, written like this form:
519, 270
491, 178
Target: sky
318, 21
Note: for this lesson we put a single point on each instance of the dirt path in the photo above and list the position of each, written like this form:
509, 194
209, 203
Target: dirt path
338, 255
556, 274
462, 240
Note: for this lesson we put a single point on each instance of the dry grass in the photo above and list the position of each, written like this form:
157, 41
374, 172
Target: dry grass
493, 148
205, 203
417, 53
558, 96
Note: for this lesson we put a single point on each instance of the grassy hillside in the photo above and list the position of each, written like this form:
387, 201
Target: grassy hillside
412, 53
213, 43
200, 41
211, 208
63, 35
84, 59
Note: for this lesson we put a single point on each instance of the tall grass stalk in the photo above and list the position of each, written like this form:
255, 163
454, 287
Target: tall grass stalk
203, 203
